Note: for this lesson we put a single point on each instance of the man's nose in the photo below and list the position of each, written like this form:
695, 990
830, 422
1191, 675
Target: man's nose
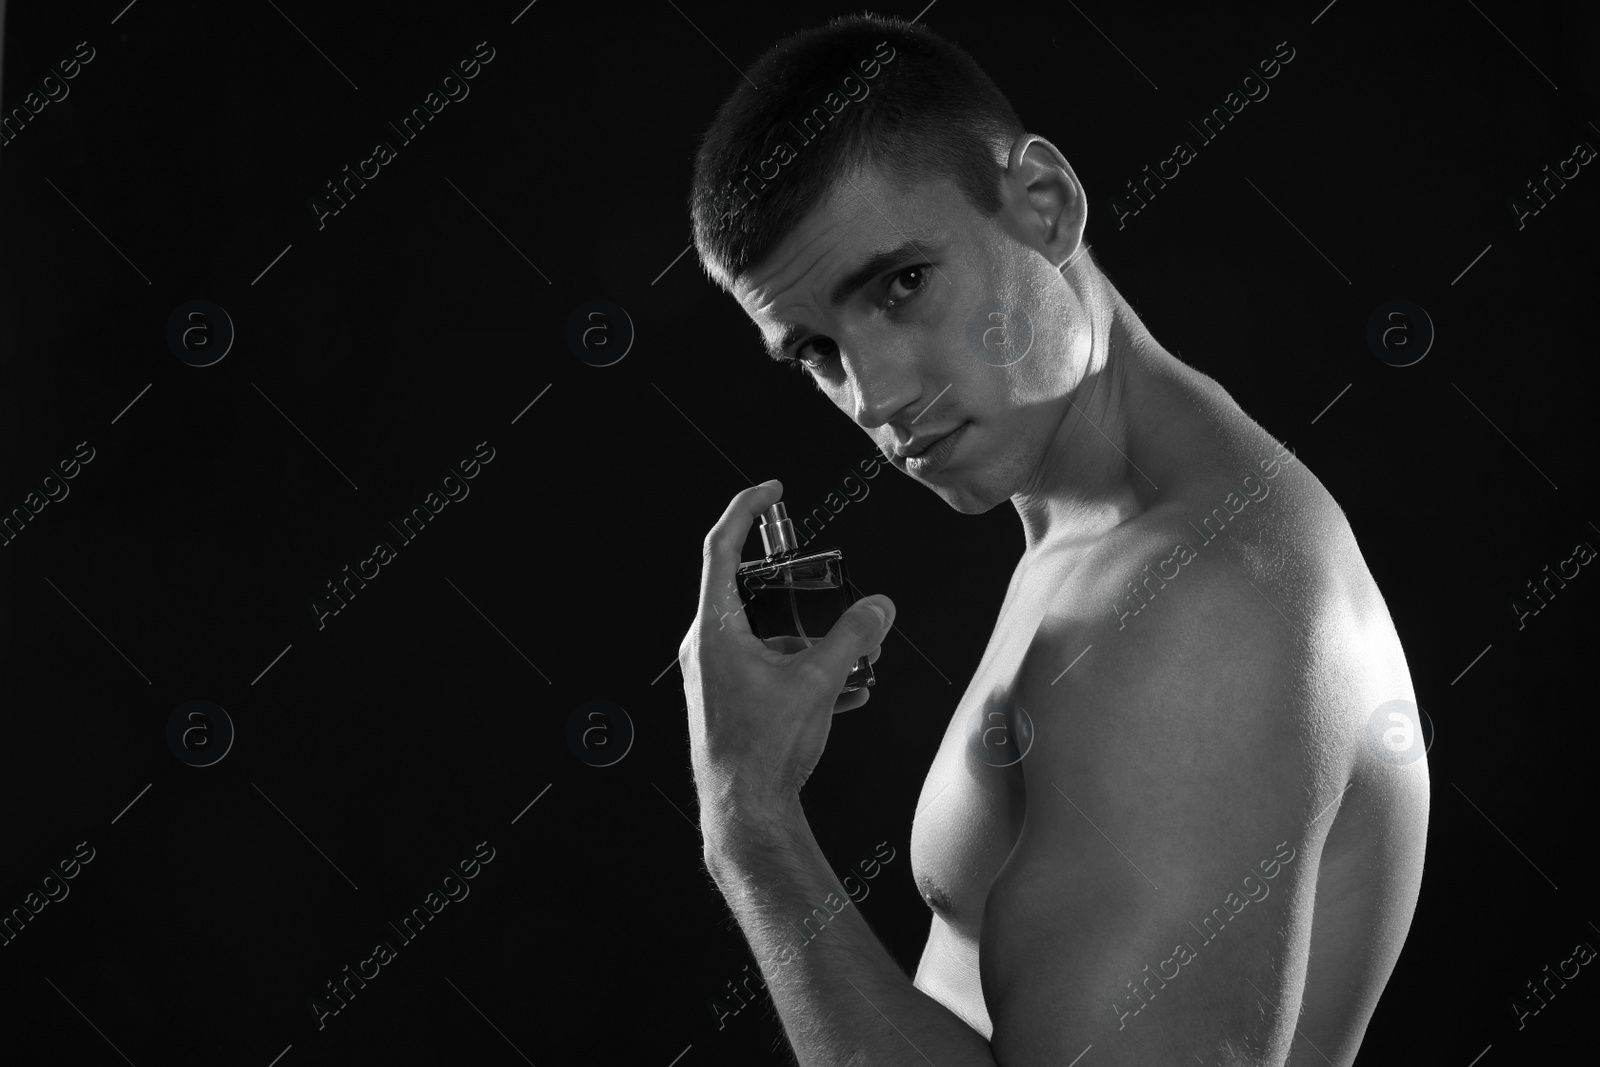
885, 383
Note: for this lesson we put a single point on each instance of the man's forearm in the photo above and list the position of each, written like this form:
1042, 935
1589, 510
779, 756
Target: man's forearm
842, 998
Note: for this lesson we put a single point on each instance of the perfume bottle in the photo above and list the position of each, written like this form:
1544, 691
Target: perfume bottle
792, 598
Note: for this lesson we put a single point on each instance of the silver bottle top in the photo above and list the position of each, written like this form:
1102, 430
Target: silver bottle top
777, 531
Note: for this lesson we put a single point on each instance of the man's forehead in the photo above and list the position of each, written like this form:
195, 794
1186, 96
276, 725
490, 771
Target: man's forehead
830, 230
861, 218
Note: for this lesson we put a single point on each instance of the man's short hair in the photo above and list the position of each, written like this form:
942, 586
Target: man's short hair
829, 99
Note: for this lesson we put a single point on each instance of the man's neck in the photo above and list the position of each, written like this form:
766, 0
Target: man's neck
1097, 471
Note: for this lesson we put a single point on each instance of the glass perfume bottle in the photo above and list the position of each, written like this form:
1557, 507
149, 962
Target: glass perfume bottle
792, 598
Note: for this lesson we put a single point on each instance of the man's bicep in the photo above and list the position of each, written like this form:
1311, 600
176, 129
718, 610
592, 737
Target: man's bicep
1069, 960
1157, 902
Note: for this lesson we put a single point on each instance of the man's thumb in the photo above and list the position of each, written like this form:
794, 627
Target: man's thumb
877, 614
858, 631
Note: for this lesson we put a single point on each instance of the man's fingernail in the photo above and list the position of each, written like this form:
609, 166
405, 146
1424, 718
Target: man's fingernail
883, 616
769, 481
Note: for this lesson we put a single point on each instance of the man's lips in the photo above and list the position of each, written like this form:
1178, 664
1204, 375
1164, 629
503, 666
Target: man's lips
925, 456
918, 445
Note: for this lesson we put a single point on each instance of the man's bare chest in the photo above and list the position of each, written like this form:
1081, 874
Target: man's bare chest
970, 810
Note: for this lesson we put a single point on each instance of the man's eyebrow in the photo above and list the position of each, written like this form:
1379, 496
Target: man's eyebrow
848, 286
870, 268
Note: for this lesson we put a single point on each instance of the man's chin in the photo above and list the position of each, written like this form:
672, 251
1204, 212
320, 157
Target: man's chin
960, 488
969, 506
965, 498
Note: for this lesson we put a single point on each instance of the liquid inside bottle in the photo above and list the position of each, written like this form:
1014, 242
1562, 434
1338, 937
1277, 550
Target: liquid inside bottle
791, 600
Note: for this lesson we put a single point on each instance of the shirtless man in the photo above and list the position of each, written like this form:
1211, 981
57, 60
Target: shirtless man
1194, 849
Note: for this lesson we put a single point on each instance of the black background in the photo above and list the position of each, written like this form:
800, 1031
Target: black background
431, 711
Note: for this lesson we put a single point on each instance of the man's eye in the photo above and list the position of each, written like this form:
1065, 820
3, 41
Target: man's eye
913, 280
919, 278
823, 349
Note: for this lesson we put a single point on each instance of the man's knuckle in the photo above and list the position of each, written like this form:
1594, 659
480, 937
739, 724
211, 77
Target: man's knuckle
716, 540
812, 672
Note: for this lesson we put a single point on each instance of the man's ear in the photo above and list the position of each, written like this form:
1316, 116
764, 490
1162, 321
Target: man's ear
1042, 200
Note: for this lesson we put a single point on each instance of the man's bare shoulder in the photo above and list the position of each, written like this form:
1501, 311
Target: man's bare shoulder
1245, 574
1239, 527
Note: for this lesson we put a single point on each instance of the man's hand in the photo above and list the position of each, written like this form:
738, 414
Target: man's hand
759, 717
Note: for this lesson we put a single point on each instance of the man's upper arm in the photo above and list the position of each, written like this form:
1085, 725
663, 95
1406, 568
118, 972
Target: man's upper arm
1157, 903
